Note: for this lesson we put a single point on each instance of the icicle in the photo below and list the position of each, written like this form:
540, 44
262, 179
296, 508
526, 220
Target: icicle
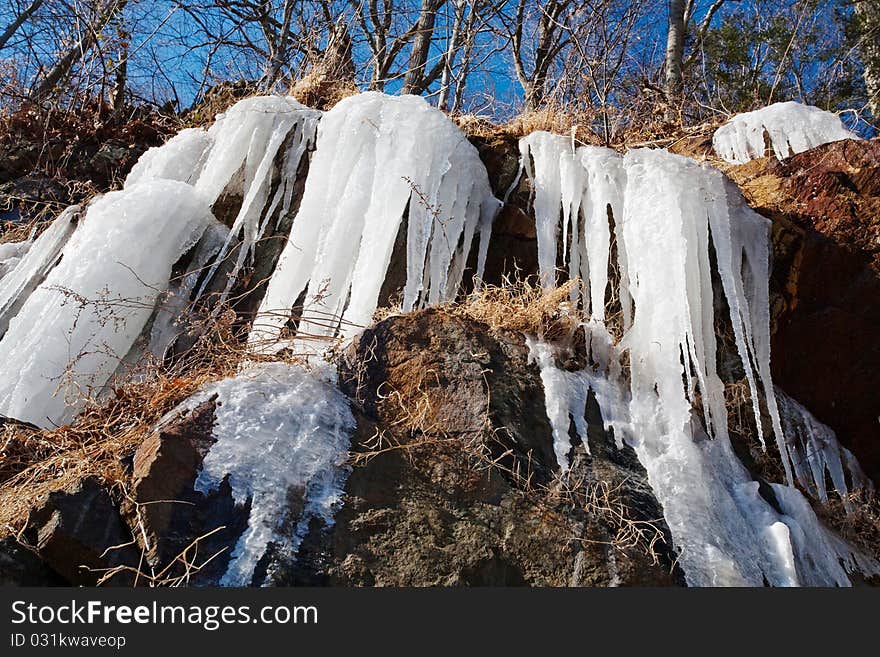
246, 141
34, 265
558, 181
573, 190
279, 428
174, 303
814, 451
725, 531
376, 157
69, 335
792, 128
565, 398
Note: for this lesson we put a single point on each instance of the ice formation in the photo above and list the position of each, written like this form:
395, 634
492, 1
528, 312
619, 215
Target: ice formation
280, 428
34, 265
816, 454
791, 127
70, 333
378, 158
245, 143
664, 209
11, 254
181, 158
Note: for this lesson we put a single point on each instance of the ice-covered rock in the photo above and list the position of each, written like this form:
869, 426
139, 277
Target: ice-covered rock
816, 454
70, 333
791, 128
378, 158
666, 210
281, 431
35, 264
11, 254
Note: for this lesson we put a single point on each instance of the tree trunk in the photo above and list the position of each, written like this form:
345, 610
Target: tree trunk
674, 59
449, 56
868, 15
421, 47
18, 22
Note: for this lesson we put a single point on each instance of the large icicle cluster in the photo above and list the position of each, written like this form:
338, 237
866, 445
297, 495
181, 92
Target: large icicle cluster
378, 159
245, 143
112, 298
791, 127
664, 209
280, 429
70, 333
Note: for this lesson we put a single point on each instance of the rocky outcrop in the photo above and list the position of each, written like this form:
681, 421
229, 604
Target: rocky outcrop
455, 481
825, 207
79, 533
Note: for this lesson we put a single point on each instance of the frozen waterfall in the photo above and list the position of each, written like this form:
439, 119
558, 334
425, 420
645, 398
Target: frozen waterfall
663, 211
377, 160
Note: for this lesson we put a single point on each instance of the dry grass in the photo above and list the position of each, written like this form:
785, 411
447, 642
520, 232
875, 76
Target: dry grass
860, 525
318, 90
523, 306
554, 118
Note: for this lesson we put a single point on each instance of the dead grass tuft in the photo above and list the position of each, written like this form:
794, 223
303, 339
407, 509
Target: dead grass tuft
860, 524
320, 91
554, 118
523, 306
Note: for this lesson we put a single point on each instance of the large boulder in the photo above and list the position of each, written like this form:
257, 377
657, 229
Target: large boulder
80, 534
180, 529
455, 481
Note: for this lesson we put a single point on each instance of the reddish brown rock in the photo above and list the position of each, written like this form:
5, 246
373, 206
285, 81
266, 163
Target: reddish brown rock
825, 204
165, 468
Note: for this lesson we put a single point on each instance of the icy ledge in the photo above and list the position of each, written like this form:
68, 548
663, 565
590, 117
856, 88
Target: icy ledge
663, 211
791, 127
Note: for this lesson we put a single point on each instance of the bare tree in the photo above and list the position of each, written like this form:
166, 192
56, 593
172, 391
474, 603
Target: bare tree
681, 15
418, 79
675, 35
868, 15
105, 13
18, 21
550, 39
